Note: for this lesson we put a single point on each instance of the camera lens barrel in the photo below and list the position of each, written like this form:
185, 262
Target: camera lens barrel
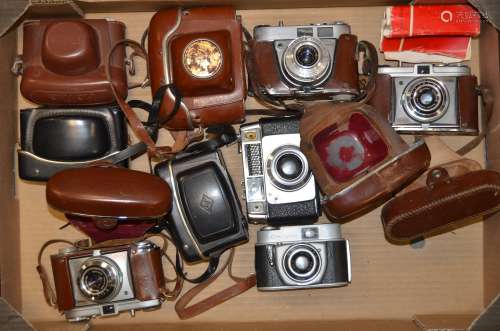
99, 279
425, 99
307, 61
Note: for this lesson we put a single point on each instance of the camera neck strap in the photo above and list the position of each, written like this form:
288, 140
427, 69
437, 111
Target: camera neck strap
181, 138
51, 296
184, 311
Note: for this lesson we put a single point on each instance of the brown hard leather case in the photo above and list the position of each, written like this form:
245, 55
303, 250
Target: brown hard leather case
64, 60
109, 192
206, 101
447, 196
358, 160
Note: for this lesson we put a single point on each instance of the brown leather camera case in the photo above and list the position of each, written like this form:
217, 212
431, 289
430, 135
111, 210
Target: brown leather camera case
446, 196
64, 60
215, 100
376, 184
467, 102
265, 68
109, 192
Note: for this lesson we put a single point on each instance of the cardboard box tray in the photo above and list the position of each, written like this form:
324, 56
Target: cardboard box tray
445, 281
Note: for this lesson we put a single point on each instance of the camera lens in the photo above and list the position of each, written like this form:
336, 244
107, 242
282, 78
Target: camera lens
289, 166
99, 279
427, 98
307, 55
302, 263
307, 61
95, 280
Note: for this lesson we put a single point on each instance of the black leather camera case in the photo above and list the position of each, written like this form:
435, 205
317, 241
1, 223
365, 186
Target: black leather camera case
53, 139
206, 217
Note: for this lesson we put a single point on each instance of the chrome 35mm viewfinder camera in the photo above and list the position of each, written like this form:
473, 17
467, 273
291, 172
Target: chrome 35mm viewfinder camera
107, 281
302, 61
298, 257
427, 98
278, 183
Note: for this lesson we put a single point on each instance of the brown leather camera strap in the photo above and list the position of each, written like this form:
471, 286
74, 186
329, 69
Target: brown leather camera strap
181, 138
370, 67
241, 285
48, 290
51, 296
487, 111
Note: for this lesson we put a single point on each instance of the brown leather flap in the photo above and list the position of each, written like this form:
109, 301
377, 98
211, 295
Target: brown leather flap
109, 192
447, 196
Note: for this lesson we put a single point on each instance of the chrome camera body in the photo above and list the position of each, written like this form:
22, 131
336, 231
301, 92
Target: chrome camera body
278, 183
298, 257
429, 98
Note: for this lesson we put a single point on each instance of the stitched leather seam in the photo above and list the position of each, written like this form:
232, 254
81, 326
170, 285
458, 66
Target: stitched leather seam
407, 215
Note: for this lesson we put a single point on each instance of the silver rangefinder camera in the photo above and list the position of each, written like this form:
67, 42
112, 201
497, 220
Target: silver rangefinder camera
428, 98
279, 186
301, 61
108, 280
298, 257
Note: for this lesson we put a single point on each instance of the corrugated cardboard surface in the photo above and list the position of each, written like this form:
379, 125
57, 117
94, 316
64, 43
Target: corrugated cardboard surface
389, 282
371, 325
9, 226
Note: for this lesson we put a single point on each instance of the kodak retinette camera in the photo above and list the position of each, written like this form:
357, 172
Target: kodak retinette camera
107, 281
297, 257
428, 98
278, 183
311, 61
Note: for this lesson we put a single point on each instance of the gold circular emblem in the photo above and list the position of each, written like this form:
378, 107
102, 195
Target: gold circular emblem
202, 58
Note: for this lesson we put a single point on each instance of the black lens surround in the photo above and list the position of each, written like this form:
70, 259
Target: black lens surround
307, 55
289, 166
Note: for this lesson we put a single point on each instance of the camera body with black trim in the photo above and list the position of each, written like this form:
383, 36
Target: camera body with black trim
298, 257
279, 186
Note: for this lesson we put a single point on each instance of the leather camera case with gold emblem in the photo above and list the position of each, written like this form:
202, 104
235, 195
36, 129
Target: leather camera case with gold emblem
200, 52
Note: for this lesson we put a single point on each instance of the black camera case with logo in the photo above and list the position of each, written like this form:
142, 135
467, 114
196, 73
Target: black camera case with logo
53, 139
206, 217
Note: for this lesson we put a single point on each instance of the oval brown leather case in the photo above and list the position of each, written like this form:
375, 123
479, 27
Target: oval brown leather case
446, 196
109, 192
368, 189
63, 61
215, 100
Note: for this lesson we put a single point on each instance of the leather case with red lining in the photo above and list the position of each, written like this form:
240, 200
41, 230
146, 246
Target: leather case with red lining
109, 202
358, 160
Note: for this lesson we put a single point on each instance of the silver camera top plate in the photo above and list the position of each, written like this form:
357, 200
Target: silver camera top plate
324, 30
426, 69
293, 234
